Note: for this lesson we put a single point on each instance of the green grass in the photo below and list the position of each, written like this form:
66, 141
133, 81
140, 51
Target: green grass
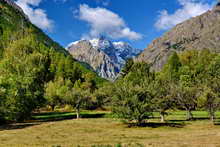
99, 130
182, 114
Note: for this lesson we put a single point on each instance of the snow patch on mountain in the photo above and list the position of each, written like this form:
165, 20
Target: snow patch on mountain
71, 44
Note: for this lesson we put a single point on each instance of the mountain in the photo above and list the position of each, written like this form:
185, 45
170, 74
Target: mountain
15, 26
105, 57
198, 33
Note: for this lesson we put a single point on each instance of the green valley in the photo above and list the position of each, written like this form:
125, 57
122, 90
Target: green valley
168, 95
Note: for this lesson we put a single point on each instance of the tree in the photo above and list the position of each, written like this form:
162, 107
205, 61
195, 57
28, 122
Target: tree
171, 69
140, 74
165, 84
103, 95
55, 91
187, 99
128, 65
78, 98
164, 95
132, 99
187, 91
89, 82
25, 77
80, 95
51, 95
132, 103
3, 93
210, 101
211, 90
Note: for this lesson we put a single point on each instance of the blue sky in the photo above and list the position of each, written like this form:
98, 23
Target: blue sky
135, 21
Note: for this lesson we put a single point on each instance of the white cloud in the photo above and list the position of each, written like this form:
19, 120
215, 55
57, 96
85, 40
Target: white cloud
105, 22
189, 8
36, 15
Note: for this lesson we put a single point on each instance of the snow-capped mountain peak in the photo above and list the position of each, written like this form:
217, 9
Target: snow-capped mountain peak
111, 55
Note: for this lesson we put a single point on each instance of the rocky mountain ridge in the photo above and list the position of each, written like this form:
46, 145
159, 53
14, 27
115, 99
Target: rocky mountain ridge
105, 57
198, 33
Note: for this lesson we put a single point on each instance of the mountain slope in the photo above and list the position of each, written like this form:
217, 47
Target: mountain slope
106, 57
29, 62
201, 32
15, 25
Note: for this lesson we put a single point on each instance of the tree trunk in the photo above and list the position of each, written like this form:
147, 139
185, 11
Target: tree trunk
189, 115
212, 116
77, 113
162, 117
52, 107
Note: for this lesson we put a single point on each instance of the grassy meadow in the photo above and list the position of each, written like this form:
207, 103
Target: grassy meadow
99, 129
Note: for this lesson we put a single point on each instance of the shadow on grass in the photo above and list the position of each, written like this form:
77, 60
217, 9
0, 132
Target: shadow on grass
39, 118
15, 126
200, 118
59, 116
50, 113
158, 124
217, 122
193, 119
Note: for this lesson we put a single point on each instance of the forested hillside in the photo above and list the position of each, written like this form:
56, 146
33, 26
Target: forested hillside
30, 64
